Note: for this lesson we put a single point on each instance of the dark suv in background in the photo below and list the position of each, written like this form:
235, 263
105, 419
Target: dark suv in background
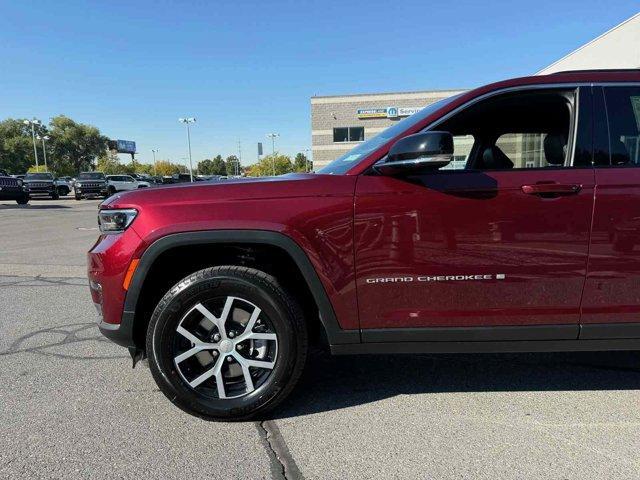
41, 184
91, 184
12, 189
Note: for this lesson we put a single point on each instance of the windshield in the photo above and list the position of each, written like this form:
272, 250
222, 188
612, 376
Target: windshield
91, 176
39, 176
345, 162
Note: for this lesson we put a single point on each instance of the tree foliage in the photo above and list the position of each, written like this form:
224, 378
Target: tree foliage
233, 166
271, 165
74, 146
71, 148
301, 163
212, 167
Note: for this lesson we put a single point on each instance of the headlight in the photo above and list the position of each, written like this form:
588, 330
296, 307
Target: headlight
115, 221
20, 182
78, 184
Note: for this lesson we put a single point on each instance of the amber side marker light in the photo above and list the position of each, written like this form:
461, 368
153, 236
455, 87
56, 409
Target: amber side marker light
130, 271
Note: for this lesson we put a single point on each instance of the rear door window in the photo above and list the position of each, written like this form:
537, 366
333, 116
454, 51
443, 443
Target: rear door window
623, 112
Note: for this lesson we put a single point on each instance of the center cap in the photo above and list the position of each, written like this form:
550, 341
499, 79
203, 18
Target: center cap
226, 346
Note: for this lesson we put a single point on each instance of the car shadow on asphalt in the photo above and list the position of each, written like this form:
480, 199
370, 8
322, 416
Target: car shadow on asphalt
31, 206
332, 383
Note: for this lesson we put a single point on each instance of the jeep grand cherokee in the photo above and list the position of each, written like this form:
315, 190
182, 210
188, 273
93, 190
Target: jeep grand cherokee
503, 219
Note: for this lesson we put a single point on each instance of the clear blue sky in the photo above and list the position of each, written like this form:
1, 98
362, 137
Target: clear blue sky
244, 69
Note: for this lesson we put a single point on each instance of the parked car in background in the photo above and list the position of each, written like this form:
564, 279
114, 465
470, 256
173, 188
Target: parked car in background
122, 183
64, 185
12, 188
91, 184
41, 184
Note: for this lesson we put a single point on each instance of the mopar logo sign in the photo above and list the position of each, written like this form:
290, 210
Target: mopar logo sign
389, 112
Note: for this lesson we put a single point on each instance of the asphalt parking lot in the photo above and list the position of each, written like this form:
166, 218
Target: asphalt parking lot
72, 407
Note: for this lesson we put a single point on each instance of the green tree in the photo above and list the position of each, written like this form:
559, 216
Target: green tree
270, 165
218, 166
74, 146
301, 163
233, 166
165, 167
205, 167
16, 146
109, 163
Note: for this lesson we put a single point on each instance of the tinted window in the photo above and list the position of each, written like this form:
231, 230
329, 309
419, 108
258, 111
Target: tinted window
39, 176
91, 176
623, 112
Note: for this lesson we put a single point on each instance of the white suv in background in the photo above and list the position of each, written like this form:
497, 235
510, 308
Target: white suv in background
120, 183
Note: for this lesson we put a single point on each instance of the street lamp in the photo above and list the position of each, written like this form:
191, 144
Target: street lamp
307, 151
44, 150
33, 123
187, 121
273, 137
155, 167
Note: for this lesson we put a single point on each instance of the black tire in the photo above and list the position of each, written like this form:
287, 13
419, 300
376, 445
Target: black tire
63, 191
281, 312
111, 191
23, 201
78, 197
55, 196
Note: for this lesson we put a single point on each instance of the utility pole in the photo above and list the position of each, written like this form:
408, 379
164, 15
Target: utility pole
33, 123
273, 137
187, 121
307, 151
237, 166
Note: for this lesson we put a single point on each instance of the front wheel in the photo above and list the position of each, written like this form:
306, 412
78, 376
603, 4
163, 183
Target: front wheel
227, 343
55, 196
23, 201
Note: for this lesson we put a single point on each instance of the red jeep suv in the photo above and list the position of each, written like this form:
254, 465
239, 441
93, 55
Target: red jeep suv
503, 219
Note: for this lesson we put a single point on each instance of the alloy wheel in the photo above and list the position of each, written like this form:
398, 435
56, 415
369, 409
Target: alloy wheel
225, 347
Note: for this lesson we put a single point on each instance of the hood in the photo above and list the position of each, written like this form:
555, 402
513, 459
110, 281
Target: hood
250, 188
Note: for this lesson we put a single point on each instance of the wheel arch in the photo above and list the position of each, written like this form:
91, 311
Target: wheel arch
136, 308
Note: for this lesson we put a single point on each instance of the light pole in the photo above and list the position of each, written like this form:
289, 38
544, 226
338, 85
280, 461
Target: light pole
273, 137
33, 123
155, 167
307, 151
187, 121
44, 150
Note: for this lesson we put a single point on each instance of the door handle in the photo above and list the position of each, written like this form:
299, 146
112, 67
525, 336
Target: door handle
551, 189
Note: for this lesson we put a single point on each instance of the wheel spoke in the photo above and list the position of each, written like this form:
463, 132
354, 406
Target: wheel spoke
189, 353
247, 362
189, 336
220, 384
218, 322
248, 329
205, 376
261, 336
247, 379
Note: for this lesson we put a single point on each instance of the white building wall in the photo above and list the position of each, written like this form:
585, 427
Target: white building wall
617, 48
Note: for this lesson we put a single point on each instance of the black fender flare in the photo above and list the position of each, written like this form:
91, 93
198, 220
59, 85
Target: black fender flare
335, 334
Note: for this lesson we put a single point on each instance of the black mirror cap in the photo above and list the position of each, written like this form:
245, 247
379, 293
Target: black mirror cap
425, 144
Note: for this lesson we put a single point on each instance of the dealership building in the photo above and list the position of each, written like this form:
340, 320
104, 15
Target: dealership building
338, 123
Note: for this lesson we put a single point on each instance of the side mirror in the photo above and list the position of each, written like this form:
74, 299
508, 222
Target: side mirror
421, 151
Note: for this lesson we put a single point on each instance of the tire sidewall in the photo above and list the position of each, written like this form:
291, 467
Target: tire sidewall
174, 306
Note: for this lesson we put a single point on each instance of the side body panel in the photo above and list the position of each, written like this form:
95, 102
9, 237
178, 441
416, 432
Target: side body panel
612, 289
417, 240
315, 211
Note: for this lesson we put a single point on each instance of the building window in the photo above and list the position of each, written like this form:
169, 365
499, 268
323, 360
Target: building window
348, 134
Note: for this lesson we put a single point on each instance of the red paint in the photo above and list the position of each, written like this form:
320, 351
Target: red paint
356, 227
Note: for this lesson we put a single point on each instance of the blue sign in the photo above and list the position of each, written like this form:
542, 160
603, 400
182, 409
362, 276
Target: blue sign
126, 146
392, 112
